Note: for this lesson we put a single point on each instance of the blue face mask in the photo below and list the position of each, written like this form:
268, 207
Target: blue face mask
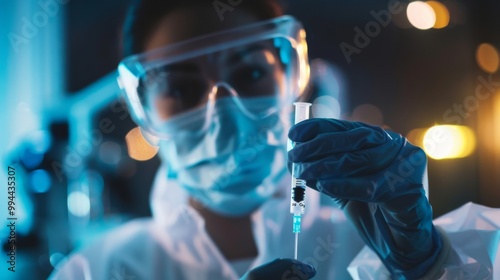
236, 164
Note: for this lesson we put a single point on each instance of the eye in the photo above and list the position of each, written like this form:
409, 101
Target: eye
186, 91
191, 93
247, 76
256, 74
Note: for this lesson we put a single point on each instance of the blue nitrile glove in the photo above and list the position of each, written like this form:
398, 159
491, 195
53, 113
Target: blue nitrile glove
376, 177
281, 269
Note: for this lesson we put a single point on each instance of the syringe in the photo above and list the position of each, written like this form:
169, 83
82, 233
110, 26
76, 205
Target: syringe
297, 200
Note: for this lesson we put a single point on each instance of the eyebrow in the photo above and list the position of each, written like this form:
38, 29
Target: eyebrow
155, 72
194, 68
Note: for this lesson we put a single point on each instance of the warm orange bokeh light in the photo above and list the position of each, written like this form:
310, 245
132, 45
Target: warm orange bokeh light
442, 14
138, 147
487, 58
421, 15
449, 142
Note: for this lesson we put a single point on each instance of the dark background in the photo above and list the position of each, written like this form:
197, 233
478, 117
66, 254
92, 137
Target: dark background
412, 76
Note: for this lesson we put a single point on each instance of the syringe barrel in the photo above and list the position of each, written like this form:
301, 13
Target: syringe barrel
297, 201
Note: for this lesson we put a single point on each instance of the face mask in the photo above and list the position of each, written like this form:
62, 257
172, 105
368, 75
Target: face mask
236, 165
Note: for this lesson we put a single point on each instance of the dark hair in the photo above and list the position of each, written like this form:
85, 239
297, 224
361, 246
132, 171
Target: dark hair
144, 15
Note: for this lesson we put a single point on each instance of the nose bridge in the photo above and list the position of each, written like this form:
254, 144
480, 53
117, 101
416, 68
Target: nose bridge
215, 70
229, 118
223, 89
211, 71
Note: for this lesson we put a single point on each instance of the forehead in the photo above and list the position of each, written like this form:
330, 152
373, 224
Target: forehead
190, 22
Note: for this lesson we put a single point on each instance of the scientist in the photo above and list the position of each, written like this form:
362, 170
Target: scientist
214, 82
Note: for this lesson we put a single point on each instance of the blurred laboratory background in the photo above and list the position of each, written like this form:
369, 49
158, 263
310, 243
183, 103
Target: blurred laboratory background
428, 70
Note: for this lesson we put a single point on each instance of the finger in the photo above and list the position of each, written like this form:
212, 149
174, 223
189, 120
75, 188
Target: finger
394, 135
309, 129
338, 142
312, 184
281, 269
309, 183
360, 163
375, 188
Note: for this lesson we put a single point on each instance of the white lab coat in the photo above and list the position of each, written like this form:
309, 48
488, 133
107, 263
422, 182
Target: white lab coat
472, 235
174, 245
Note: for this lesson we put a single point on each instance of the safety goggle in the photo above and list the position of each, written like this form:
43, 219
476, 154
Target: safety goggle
266, 60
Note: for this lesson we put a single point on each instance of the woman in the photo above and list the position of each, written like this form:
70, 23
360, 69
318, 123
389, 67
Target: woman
213, 83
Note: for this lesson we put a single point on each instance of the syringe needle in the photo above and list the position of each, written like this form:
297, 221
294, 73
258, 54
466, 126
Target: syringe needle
296, 245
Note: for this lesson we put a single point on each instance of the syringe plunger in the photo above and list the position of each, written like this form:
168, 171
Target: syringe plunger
301, 111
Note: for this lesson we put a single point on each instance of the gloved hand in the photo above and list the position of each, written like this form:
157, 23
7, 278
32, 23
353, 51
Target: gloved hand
281, 269
376, 177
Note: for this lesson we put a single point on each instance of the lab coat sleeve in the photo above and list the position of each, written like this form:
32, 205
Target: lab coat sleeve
112, 256
471, 239
87, 264
91, 266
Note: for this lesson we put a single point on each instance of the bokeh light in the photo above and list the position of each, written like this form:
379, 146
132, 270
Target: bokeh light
110, 152
41, 140
55, 259
78, 204
497, 121
31, 158
441, 12
449, 141
138, 147
40, 181
326, 78
487, 58
421, 15
326, 107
